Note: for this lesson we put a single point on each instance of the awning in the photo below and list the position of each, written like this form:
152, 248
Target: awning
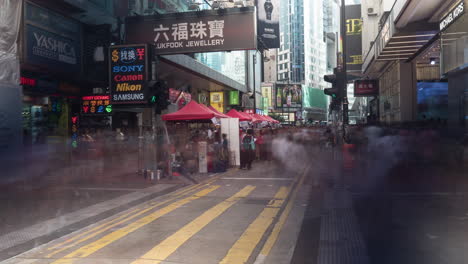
192, 111
235, 114
216, 111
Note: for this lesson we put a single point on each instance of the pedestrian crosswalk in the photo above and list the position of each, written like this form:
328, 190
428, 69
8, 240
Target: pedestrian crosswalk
211, 222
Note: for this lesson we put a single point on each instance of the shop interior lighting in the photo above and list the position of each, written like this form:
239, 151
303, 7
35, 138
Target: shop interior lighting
432, 61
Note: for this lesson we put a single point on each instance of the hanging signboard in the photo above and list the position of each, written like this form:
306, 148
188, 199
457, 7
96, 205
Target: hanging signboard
217, 101
453, 15
288, 95
234, 97
365, 88
353, 38
188, 32
128, 74
268, 22
96, 105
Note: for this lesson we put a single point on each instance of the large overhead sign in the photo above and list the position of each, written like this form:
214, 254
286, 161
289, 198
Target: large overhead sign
353, 38
96, 105
268, 22
201, 31
453, 15
128, 74
366, 88
288, 95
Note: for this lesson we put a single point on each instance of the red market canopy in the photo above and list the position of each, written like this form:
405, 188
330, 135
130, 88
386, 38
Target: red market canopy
191, 111
216, 111
261, 118
235, 114
272, 120
217, 114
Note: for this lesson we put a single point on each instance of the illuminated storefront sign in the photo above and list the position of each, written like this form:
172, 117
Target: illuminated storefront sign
74, 130
195, 31
234, 97
365, 88
96, 105
217, 101
452, 16
28, 81
128, 74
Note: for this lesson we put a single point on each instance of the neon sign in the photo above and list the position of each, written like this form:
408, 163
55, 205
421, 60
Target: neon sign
74, 130
96, 104
28, 81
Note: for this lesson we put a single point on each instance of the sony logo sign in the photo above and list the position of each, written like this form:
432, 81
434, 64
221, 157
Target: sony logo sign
452, 16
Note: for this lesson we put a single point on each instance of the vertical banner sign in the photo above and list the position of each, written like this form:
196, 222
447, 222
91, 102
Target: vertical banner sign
128, 74
365, 88
74, 131
234, 97
353, 38
268, 22
217, 101
188, 32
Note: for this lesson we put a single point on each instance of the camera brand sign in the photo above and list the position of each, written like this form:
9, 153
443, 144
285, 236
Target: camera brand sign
201, 31
128, 74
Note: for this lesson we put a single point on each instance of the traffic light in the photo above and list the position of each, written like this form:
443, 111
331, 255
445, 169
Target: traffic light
337, 85
159, 95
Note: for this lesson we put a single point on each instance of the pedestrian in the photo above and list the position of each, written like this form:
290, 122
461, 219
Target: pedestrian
247, 150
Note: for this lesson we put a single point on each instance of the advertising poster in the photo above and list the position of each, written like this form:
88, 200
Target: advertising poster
217, 101
289, 95
268, 22
354, 38
128, 74
205, 31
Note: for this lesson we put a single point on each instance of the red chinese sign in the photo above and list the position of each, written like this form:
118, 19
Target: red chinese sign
365, 88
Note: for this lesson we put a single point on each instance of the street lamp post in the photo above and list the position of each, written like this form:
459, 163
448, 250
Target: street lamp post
344, 68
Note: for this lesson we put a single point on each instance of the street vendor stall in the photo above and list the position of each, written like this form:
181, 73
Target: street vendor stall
195, 138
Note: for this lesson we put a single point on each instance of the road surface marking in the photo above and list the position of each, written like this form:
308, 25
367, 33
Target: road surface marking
108, 225
266, 179
118, 234
242, 249
279, 225
164, 249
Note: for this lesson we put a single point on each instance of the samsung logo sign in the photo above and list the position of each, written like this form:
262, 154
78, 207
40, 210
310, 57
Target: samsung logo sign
453, 15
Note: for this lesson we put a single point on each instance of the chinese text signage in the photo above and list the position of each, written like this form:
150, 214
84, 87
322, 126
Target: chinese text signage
128, 74
453, 15
96, 105
364, 88
195, 31
217, 101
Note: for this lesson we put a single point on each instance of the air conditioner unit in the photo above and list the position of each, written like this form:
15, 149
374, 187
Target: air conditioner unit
371, 12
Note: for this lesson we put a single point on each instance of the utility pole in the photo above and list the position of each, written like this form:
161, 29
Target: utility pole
344, 68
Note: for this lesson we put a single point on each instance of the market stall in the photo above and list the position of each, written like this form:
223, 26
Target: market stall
194, 139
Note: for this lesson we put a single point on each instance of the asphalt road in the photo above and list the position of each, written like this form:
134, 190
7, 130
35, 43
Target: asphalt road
239, 217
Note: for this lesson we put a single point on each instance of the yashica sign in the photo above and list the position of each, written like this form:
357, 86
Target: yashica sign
201, 31
128, 74
365, 88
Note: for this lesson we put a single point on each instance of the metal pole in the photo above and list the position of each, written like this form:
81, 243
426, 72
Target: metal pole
254, 89
344, 69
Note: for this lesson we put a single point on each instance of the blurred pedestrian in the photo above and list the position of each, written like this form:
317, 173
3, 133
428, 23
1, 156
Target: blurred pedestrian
247, 150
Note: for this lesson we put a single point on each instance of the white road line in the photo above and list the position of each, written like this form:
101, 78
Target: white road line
265, 179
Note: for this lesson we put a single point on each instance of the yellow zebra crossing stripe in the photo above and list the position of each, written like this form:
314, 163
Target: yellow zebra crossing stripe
120, 220
172, 243
242, 249
108, 239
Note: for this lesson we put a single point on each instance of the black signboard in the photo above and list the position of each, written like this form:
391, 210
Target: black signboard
128, 74
366, 88
268, 22
453, 15
188, 32
96, 105
353, 38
